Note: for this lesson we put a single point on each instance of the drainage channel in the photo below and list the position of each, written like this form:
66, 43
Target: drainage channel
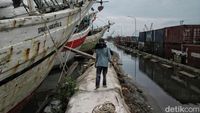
163, 88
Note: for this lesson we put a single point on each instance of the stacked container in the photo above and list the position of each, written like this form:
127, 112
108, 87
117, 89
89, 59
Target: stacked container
176, 42
159, 42
192, 54
196, 39
149, 42
184, 34
175, 37
141, 40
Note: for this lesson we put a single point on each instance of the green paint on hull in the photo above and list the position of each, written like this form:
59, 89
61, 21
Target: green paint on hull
88, 46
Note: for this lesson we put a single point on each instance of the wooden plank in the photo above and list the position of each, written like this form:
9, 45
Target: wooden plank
154, 60
80, 52
187, 74
147, 57
166, 66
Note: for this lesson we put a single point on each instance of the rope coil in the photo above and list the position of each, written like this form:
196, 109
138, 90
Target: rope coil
106, 107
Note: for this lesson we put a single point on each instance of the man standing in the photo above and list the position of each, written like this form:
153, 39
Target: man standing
103, 56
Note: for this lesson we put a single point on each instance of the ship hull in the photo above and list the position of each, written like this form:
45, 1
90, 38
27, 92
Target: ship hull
34, 42
92, 40
75, 42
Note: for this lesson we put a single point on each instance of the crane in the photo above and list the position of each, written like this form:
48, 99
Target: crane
151, 27
145, 27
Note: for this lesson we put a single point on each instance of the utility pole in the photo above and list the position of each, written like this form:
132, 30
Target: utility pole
135, 23
135, 37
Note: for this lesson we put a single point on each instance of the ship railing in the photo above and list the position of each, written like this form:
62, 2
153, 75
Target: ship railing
38, 7
85, 23
46, 6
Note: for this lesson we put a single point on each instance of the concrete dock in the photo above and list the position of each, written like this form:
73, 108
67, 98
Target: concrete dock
89, 100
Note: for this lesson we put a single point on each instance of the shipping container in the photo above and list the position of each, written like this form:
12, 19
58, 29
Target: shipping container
142, 37
150, 36
196, 35
129, 41
149, 47
169, 47
192, 55
191, 33
141, 40
185, 34
159, 49
159, 35
166, 42
173, 34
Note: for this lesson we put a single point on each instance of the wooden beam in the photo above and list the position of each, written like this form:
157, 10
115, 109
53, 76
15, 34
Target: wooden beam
80, 52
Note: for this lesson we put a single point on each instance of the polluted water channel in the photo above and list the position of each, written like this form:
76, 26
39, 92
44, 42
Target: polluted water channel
50, 83
164, 89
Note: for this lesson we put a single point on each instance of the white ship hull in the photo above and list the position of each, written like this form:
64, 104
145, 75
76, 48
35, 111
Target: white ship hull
28, 49
91, 40
74, 42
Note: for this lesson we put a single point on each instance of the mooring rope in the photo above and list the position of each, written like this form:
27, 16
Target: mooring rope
65, 64
106, 107
54, 44
68, 55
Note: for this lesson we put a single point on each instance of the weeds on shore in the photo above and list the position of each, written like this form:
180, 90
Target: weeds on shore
65, 92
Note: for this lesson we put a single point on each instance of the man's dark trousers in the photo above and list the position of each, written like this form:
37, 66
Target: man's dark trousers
98, 75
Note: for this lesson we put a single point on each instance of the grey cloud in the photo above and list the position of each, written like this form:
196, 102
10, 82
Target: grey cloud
160, 12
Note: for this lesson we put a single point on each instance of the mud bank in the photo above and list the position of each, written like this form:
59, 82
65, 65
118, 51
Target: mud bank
133, 96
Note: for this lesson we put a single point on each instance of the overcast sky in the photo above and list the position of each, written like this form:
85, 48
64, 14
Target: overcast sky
161, 13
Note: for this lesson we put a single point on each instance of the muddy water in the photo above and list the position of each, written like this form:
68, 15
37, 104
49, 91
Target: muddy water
48, 85
40, 94
161, 85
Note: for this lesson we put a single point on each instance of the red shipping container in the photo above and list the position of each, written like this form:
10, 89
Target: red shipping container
196, 39
186, 34
169, 47
192, 55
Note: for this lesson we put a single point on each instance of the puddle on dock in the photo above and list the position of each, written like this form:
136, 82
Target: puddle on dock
160, 83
